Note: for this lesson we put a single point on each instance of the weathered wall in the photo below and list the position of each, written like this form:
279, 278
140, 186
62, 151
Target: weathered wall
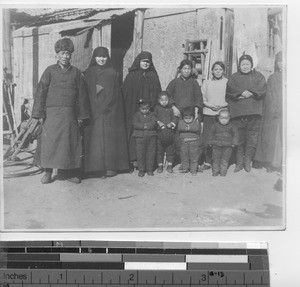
251, 36
165, 33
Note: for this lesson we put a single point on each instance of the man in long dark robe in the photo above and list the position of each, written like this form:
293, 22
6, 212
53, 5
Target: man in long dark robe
245, 92
142, 82
61, 102
105, 137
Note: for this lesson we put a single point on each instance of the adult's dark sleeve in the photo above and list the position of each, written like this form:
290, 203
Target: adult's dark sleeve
198, 97
152, 123
259, 89
82, 101
233, 91
170, 90
39, 105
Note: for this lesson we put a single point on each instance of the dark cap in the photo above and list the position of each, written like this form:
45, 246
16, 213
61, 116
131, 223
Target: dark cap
246, 57
143, 102
64, 44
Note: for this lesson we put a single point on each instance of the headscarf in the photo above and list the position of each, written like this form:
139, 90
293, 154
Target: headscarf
98, 52
64, 44
278, 58
142, 56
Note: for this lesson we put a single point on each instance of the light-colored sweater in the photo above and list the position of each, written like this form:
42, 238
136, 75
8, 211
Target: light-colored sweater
214, 92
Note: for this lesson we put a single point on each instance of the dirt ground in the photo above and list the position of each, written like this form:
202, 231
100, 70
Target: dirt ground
165, 201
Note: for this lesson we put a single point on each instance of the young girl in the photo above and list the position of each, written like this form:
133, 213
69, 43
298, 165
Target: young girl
214, 92
184, 92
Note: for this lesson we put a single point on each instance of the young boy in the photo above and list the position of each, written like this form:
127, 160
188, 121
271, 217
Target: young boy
167, 122
61, 102
144, 132
189, 135
223, 137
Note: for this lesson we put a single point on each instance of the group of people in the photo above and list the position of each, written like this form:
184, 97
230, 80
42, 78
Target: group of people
92, 123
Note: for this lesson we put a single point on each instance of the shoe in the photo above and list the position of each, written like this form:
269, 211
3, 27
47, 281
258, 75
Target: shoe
238, 168
46, 178
160, 168
247, 164
223, 174
111, 173
205, 166
169, 168
180, 167
141, 173
184, 171
200, 168
215, 173
74, 179
150, 173
194, 172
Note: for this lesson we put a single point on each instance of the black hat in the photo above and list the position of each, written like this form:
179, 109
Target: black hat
246, 57
143, 102
64, 44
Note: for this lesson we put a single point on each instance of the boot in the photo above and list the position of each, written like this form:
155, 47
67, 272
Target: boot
248, 158
239, 159
160, 168
47, 177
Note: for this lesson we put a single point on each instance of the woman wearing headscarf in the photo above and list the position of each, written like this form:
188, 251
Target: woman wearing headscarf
105, 141
269, 150
245, 92
141, 83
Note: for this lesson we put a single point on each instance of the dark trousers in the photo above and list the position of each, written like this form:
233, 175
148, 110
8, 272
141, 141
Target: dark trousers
220, 159
248, 130
162, 149
145, 153
190, 155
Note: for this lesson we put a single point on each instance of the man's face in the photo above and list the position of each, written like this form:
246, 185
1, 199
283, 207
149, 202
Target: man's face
64, 58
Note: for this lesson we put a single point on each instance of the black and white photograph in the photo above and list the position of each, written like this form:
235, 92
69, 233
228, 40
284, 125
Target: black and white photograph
144, 118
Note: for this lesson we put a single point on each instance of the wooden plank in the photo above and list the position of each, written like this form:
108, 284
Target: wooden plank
138, 33
106, 36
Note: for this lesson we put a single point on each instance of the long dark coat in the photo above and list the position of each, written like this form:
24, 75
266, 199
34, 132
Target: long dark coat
61, 99
139, 84
269, 147
105, 140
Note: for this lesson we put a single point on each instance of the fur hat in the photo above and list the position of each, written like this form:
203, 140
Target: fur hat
64, 44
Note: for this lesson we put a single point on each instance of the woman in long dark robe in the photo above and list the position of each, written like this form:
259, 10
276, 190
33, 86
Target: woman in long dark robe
105, 140
269, 150
142, 82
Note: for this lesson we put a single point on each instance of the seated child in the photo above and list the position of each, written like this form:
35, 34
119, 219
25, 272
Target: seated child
189, 130
223, 137
166, 121
144, 132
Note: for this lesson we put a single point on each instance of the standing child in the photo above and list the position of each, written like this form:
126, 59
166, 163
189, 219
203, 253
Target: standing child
189, 134
144, 132
214, 93
184, 92
223, 137
167, 122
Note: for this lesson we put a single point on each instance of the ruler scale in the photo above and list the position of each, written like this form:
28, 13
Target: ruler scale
133, 264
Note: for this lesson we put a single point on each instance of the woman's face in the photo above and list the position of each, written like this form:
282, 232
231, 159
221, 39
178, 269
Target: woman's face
217, 71
186, 71
145, 64
101, 61
245, 66
279, 65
